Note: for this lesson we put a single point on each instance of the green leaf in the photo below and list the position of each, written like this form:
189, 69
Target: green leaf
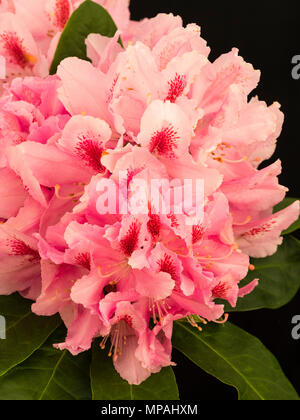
279, 279
236, 358
25, 332
89, 18
285, 203
49, 374
108, 385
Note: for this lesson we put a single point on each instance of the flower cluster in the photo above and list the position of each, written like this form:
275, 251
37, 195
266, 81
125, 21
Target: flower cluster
155, 109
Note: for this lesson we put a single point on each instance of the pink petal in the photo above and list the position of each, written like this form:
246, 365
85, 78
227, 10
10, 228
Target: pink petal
128, 366
260, 239
81, 333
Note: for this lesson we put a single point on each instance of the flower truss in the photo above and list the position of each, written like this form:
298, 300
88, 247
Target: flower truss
152, 108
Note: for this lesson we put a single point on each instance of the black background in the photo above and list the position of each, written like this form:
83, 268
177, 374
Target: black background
267, 33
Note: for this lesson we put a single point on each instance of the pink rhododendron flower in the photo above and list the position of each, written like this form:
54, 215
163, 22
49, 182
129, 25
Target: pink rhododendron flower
77, 235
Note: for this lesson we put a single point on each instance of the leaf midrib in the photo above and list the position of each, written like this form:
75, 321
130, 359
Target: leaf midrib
226, 360
19, 320
131, 392
53, 374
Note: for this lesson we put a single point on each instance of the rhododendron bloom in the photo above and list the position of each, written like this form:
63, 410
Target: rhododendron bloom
76, 146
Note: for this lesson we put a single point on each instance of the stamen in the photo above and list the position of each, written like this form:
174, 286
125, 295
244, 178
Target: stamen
68, 197
118, 338
226, 316
182, 252
107, 274
222, 159
247, 220
103, 342
235, 161
159, 309
193, 321
234, 247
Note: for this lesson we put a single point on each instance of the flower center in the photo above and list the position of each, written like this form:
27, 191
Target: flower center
220, 290
18, 247
118, 337
14, 48
90, 151
164, 142
154, 225
197, 234
176, 87
167, 265
130, 241
84, 260
110, 288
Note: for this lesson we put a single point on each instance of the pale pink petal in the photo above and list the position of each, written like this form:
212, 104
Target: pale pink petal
128, 366
12, 193
261, 238
83, 87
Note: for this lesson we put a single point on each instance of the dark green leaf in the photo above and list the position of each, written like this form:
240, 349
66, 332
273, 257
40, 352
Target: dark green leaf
236, 358
89, 18
49, 374
25, 332
285, 203
279, 279
108, 385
